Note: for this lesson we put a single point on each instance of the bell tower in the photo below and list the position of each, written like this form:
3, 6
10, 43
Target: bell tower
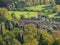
39, 14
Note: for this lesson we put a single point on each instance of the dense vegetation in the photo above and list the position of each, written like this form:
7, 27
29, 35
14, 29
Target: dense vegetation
12, 32
17, 5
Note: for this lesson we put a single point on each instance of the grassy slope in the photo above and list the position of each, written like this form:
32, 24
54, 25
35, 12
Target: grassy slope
35, 8
30, 14
26, 14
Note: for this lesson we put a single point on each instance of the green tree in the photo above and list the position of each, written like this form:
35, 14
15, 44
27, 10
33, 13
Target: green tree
45, 38
13, 16
57, 41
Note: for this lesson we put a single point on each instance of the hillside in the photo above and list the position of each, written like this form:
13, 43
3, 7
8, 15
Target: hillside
17, 5
29, 22
47, 10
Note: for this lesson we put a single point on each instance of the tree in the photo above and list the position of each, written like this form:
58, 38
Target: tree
8, 25
41, 40
3, 3
11, 41
32, 29
57, 1
1, 41
45, 38
2, 18
22, 17
57, 41
57, 8
13, 16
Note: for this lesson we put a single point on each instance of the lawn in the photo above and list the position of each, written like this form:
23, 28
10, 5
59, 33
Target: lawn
36, 8
52, 15
26, 14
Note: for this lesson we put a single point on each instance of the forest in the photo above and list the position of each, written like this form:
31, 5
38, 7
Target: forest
15, 31
17, 5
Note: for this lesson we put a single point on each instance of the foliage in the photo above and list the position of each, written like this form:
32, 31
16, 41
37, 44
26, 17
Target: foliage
29, 36
14, 33
57, 41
